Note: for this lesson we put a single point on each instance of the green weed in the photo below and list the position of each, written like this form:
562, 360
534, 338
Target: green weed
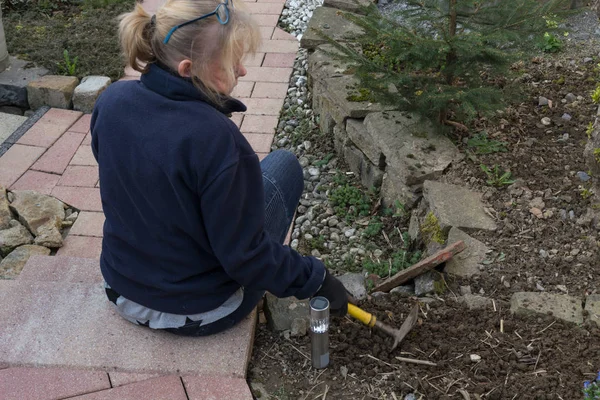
551, 43
484, 145
496, 176
397, 261
374, 228
68, 66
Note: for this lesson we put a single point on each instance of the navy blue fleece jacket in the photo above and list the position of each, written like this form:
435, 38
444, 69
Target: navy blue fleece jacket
183, 197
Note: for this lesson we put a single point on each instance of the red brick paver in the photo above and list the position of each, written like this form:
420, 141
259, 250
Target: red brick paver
216, 388
281, 60
16, 161
79, 175
88, 224
267, 74
125, 378
271, 90
166, 387
84, 156
49, 383
259, 124
55, 157
58, 156
41, 182
83, 198
50, 127
81, 246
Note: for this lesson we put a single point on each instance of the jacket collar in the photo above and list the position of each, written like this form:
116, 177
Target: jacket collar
163, 81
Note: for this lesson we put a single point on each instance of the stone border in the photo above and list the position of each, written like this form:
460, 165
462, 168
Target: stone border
20, 131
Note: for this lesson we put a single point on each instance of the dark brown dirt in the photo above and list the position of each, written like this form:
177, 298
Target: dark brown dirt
40, 32
535, 358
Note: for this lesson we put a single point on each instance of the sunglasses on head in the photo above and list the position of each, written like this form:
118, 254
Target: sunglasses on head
222, 13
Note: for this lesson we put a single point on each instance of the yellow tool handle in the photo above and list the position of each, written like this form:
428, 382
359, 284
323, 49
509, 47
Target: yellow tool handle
361, 315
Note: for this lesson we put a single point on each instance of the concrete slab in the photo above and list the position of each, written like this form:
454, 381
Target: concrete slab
49, 383
61, 269
8, 124
74, 325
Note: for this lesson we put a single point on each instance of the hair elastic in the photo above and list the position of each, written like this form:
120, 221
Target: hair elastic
153, 21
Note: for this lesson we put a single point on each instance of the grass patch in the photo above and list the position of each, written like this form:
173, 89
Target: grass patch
41, 31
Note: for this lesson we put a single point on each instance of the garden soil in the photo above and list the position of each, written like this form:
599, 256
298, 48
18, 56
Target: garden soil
545, 241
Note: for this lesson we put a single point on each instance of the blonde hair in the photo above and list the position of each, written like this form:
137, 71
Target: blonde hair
206, 43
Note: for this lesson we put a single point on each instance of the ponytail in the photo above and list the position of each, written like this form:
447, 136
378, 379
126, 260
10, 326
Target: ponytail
135, 31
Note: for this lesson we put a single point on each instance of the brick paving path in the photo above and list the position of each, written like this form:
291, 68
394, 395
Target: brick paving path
54, 157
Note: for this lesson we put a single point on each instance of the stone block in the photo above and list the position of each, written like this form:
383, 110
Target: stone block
370, 175
409, 145
53, 91
455, 206
5, 214
281, 313
14, 81
592, 308
87, 92
15, 236
561, 306
323, 64
429, 282
466, 263
35, 209
392, 190
332, 23
354, 6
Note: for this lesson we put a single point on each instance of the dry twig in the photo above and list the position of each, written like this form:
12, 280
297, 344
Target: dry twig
415, 361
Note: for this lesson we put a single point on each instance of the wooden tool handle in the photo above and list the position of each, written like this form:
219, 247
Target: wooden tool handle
361, 315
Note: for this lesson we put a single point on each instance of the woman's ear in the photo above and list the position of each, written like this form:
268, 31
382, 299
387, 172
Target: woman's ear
185, 68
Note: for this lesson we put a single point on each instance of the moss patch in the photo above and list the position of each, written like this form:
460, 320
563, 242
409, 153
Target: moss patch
431, 230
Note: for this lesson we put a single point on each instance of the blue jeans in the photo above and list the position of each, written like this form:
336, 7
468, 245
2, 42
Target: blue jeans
283, 183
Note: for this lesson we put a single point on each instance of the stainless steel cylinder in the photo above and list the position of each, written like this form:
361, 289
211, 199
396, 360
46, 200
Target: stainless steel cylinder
319, 331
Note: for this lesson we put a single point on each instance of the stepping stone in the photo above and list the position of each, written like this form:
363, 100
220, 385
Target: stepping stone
14, 81
73, 325
561, 306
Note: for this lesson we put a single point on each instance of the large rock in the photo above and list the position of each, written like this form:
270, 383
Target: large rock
13, 264
13, 237
354, 6
281, 313
48, 235
355, 284
455, 206
87, 92
36, 209
592, 308
332, 23
407, 148
466, 263
5, 214
561, 306
325, 63
52, 90
14, 81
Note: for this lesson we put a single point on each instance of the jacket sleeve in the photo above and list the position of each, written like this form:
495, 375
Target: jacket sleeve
233, 212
